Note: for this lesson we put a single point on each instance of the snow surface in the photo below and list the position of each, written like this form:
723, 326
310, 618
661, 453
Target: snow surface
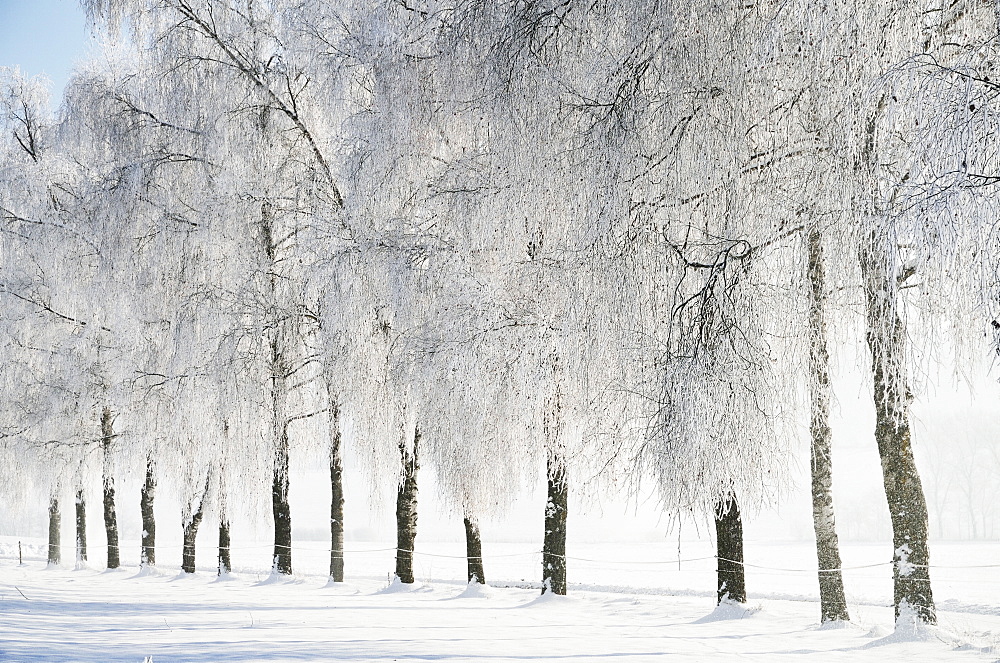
65, 614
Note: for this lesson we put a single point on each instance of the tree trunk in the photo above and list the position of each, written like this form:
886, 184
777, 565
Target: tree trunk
336, 497
81, 528
280, 508
55, 523
225, 542
110, 517
406, 511
225, 545
903, 491
474, 552
554, 544
729, 542
148, 557
833, 604
282, 511
190, 537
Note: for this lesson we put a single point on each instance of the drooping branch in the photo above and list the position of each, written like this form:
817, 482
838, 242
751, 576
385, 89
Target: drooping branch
242, 64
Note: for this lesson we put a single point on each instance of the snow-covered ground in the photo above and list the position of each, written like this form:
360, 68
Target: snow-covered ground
627, 602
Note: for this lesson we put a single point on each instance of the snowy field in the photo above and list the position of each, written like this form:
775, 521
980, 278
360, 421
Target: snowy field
630, 602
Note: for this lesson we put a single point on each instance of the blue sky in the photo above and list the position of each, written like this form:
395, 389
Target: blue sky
43, 37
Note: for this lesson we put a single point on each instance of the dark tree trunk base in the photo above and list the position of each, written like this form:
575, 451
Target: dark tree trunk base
110, 517
406, 511
148, 557
474, 552
190, 536
336, 499
191, 532
729, 541
282, 521
81, 528
554, 543
111, 524
280, 508
225, 561
55, 526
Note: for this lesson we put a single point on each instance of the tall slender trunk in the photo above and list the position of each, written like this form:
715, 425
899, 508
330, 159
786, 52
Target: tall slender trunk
406, 510
833, 604
55, 524
280, 508
225, 546
191, 525
729, 543
557, 491
556, 509
110, 517
903, 491
81, 528
336, 496
474, 552
146, 496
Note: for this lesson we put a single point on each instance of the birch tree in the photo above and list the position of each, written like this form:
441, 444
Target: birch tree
914, 257
64, 260
243, 48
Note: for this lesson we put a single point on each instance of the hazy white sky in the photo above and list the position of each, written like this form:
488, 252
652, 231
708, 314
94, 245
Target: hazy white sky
43, 37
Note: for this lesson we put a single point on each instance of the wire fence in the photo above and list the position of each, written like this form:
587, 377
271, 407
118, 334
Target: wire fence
39, 550
618, 569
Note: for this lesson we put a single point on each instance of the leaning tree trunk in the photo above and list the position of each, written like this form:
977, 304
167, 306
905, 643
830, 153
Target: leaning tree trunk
191, 534
280, 508
336, 497
148, 557
554, 543
406, 510
55, 524
110, 517
833, 604
729, 543
225, 546
474, 552
903, 491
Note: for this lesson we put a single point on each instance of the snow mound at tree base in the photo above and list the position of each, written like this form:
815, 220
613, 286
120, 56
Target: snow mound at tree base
910, 628
727, 610
835, 625
549, 598
149, 571
397, 586
120, 569
475, 590
341, 588
278, 578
